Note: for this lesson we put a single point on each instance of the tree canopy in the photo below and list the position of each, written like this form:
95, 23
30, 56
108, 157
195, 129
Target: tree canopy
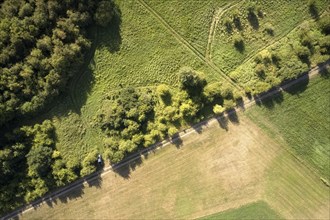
42, 44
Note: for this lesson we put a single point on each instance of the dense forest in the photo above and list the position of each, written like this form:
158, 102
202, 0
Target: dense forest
42, 45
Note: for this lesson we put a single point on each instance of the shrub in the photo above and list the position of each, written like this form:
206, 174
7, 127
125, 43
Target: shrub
239, 43
172, 131
191, 81
313, 10
303, 53
228, 25
324, 24
218, 109
228, 104
269, 29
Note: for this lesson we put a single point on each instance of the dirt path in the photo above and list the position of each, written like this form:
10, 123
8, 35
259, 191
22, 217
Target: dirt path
217, 15
190, 47
51, 196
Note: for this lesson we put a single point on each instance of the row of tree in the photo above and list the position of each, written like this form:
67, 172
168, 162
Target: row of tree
139, 118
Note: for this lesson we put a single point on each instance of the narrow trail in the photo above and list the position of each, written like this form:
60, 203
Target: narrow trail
217, 15
190, 47
56, 194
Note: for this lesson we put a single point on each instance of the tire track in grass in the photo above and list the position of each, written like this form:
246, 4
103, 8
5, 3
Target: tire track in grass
217, 15
190, 47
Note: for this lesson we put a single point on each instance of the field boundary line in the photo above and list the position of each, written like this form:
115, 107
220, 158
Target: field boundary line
55, 194
190, 47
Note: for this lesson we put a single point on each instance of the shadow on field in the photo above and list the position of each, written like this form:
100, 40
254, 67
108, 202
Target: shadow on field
223, 122
176, 140
232, 116
270, 101
300, 87
125, 168
109, 37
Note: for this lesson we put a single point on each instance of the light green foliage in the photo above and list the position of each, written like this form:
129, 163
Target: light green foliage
89, 163
218, 109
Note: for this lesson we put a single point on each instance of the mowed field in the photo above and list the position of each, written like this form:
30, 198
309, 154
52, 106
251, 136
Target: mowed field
210, 171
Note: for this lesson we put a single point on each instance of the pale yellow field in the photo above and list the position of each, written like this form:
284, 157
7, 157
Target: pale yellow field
211, 171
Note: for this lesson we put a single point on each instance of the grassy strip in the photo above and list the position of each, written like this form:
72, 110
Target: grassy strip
256, 210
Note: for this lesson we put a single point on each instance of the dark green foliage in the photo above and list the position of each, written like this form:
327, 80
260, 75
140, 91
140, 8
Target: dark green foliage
104, 12
313, 10
42, 44
324, 24
191, 81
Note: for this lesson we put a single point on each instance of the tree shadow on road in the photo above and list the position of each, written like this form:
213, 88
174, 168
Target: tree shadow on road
125, 167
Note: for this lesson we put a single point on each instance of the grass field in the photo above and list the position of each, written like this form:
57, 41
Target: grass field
301, 122
257, 210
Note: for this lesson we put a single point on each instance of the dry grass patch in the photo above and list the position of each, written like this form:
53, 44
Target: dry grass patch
210, 172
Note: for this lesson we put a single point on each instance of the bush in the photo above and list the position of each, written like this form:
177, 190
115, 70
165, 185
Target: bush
313, 10
89, 163
172, 131
212, 92
239, 43
324, 24
191, 81
218, 109
303, 53
269, 29
229, 104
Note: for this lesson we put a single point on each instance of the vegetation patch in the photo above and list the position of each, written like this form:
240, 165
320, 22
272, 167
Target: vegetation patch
259, 24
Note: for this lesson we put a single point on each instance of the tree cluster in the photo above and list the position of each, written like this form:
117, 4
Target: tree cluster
30, 165
133, 119
42, 44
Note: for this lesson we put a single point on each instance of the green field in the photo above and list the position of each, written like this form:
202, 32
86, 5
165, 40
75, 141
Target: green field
300, 120
257, 210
